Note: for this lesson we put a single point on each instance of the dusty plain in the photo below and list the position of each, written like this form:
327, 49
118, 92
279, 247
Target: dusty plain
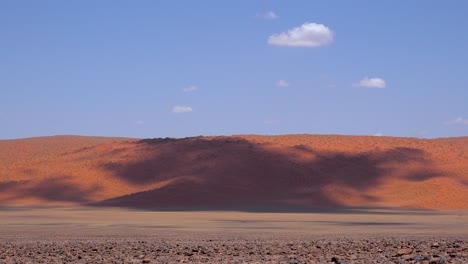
116, 235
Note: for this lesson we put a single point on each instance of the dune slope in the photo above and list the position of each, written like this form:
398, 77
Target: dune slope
245, 171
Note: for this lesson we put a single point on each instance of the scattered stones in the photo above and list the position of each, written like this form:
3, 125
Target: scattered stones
229, 248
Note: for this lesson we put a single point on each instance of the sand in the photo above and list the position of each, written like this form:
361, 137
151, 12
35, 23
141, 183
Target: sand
238, 172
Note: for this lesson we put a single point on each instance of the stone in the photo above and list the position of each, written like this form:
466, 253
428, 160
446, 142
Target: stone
404, 251
408, 257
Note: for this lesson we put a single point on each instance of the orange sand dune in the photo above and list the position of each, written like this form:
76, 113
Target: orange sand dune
245, 171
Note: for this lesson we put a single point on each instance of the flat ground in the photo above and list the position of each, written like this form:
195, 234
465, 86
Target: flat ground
90, 235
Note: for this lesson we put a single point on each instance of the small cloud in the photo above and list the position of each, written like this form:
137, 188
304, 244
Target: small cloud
189, 89
378, 134
282, 83
457, 121
371, 83
267, 15
307, 35
139, 122
271, 122
181, 109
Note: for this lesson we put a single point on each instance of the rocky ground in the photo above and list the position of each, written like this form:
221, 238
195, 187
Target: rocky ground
203, 248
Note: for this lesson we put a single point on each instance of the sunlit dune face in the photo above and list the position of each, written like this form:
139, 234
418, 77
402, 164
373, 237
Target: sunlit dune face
290, 170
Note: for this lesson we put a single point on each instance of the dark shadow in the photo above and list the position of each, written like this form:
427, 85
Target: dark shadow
55, 189
222, 173
8, 185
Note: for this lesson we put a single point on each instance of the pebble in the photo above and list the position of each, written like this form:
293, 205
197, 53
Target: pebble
404, 251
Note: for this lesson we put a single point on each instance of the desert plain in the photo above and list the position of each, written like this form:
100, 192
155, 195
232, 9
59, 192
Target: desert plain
237, 199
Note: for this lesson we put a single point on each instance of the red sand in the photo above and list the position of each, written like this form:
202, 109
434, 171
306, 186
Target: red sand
237, 171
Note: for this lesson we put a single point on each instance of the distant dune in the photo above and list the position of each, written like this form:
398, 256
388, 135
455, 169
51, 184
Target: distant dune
245, 171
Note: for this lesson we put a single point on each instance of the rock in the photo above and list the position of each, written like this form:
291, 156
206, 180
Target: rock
408, 257
404, 251
146, 260
435, 245
438, 260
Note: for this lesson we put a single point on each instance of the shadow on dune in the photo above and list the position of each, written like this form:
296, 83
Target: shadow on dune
54, 189
223, 173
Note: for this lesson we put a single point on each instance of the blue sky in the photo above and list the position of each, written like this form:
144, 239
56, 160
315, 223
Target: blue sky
186, 68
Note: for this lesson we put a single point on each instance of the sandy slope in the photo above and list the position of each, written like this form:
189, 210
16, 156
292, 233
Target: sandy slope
246, 171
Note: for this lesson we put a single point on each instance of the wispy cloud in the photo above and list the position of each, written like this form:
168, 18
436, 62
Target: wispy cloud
307, 35
179, 109
371, 83
267, 15
139, 122
282, 83
457, 121
189, 89
378, 134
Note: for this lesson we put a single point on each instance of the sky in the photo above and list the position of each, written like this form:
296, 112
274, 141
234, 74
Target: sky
176, 68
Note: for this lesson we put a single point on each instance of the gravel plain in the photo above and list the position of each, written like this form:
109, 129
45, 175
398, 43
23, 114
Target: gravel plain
121, 236
211, 248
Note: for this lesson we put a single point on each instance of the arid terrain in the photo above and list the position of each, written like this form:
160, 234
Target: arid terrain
272, 173
239, 199
115, 235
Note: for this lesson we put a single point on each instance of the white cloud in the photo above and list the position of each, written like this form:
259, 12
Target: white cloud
457, 121
181, 109
306, 35
139, 122
378, 134
267, 15
371, 83
190, 88
282, 83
